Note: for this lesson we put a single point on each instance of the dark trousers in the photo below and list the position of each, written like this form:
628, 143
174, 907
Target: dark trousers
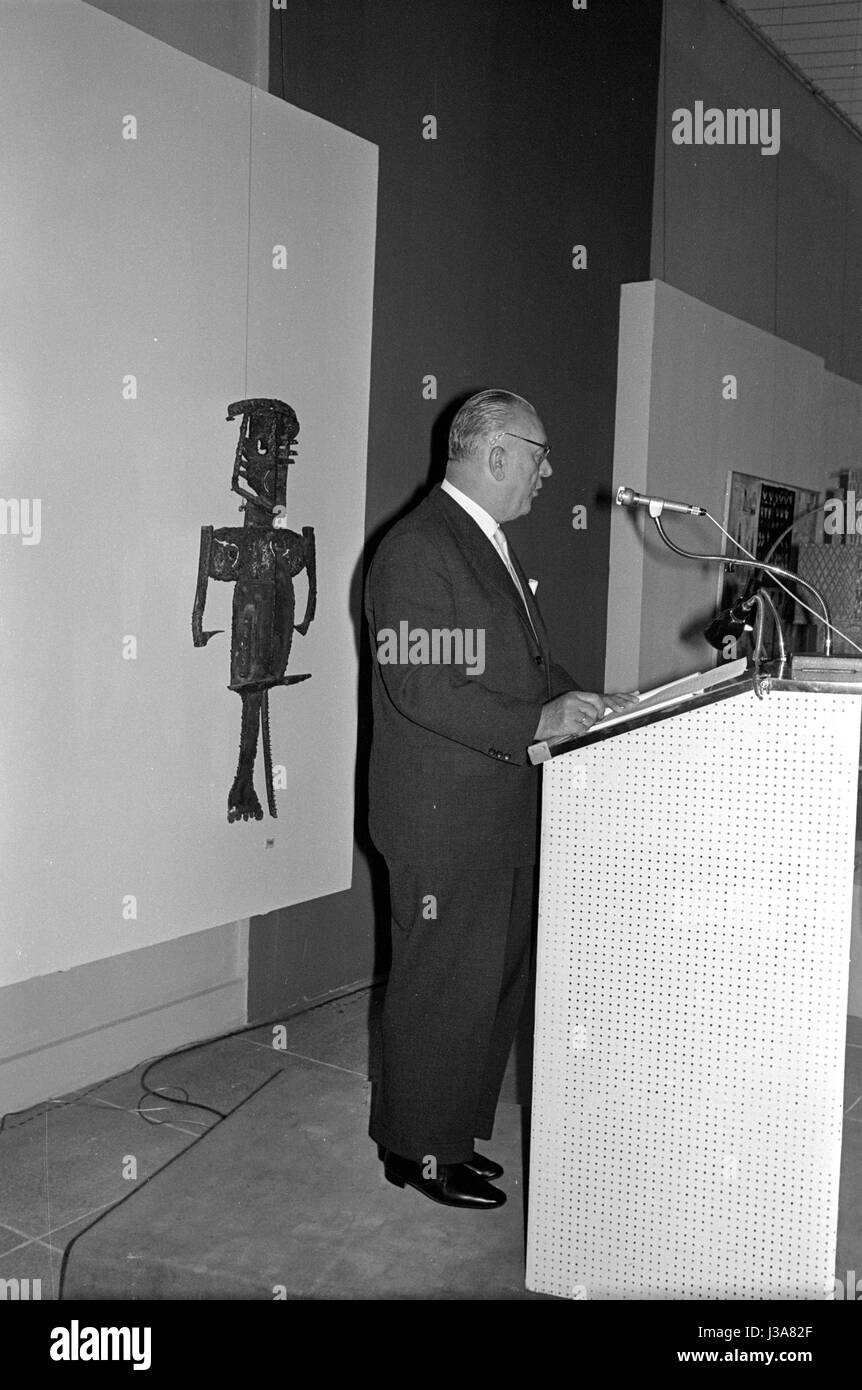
460, 964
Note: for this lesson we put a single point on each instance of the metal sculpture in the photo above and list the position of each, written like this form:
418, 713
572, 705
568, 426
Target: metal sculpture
261, 559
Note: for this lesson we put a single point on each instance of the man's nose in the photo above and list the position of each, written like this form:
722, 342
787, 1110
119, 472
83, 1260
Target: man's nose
545, 469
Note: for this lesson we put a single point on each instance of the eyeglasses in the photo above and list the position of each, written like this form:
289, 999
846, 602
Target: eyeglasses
544, 446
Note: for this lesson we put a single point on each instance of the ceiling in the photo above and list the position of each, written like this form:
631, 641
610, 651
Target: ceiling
823, 38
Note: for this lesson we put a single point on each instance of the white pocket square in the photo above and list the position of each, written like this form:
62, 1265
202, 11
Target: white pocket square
534, 584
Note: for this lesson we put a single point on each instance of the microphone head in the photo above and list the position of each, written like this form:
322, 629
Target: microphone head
731, 622
625, 496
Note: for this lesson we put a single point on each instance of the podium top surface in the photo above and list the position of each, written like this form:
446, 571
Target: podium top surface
841, 679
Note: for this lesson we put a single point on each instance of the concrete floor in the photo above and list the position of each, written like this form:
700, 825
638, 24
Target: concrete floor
284, 1197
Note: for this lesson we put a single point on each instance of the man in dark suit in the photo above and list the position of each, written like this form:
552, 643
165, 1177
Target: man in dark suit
463, 682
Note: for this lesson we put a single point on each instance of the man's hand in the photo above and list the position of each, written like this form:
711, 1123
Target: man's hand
573, 713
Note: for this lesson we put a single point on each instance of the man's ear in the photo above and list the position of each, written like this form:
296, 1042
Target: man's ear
497, 462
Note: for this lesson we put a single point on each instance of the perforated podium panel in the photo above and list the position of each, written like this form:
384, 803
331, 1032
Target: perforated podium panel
694, 930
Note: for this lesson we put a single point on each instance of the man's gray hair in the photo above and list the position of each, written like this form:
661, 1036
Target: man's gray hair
484, 414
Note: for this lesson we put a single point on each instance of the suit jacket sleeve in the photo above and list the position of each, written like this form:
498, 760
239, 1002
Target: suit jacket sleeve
561, 681
410, 581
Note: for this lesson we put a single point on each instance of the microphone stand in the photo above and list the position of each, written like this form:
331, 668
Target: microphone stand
756, 565
762, 600
763, 597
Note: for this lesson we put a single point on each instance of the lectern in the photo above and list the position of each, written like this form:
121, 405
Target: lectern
694, 936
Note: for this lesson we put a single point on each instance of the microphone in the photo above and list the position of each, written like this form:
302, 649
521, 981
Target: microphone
628, 498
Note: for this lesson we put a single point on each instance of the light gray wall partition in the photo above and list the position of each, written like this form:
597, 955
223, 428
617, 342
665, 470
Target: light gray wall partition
678, 435
229, 34
146, 197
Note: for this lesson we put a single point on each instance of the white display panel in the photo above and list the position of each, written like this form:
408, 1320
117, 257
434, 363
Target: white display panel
694, 931
145, 198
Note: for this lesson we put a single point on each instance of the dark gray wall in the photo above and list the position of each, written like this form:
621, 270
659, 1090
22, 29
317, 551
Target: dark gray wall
545, 138
773, 240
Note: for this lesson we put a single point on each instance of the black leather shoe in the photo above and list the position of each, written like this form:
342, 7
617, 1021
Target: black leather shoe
455, 1185
484, 1167
480, 1165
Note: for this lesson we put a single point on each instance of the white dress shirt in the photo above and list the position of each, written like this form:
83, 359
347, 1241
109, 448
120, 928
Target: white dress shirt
482, 518
493, 531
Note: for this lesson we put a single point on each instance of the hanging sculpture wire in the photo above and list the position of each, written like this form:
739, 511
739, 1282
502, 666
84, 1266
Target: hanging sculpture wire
261, 559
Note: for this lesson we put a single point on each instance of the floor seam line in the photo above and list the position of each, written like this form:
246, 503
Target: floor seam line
54, 1230
31, 1240
25, 1235
320, 1063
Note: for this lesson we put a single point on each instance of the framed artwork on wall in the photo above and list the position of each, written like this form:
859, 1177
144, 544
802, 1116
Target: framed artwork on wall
757, 513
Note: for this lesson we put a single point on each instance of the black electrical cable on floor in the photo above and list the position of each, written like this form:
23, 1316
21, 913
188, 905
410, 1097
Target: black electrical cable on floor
179, 1052
172, 1100
139, 1186
147, 1090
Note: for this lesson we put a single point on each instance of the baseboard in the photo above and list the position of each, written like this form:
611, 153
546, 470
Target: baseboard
65, 1031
